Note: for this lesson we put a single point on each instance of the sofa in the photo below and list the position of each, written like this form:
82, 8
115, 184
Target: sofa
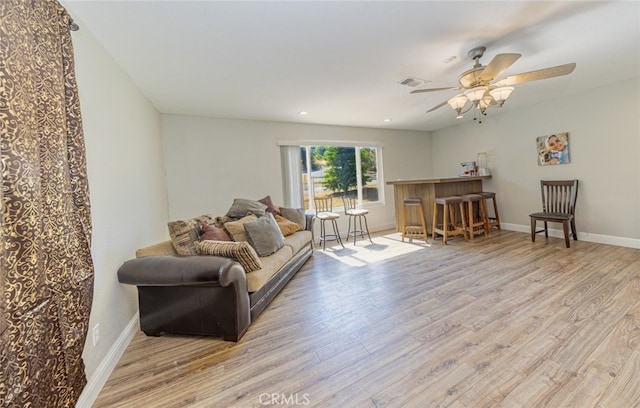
217, 274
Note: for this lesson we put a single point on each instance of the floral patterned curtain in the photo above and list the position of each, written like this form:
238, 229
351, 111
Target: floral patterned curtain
46, 275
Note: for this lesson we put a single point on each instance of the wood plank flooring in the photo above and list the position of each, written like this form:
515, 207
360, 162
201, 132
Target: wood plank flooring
496, 322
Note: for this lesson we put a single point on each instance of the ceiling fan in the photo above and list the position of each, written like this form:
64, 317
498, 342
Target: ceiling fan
479, 87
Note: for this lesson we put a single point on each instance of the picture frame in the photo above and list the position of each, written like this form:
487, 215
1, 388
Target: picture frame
553, 149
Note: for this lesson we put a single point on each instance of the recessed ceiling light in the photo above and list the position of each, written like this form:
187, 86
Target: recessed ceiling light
387, 120
303, 113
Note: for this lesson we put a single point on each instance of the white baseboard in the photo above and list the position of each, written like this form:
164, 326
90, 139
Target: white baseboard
104, 370
382, 227
582, 236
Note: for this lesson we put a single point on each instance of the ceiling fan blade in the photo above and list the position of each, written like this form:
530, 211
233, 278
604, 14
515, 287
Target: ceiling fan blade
544, 73
438, 106
435, 89
497, 65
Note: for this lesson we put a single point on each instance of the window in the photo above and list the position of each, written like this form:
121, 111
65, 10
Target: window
328, 170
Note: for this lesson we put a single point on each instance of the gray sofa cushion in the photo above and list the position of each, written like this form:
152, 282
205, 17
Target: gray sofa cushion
264, 235
242, 207
294, 214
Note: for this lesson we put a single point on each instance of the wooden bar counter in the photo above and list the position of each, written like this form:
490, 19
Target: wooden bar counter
428, 190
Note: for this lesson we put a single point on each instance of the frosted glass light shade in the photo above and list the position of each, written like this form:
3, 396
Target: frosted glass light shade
485, 102
457, 102
476, 93
501, 94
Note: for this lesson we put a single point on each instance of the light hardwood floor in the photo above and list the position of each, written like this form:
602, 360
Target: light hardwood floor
499, 321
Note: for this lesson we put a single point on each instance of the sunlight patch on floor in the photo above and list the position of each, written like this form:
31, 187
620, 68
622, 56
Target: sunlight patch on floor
364, 252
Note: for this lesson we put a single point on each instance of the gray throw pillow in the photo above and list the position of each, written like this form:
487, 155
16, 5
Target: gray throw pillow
242, 207
296, 215
264, 235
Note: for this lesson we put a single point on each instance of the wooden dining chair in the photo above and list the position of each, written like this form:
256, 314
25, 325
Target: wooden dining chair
558, 205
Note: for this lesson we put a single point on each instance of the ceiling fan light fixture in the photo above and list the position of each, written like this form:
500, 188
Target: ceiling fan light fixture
475, 94
501, 94
471, 78
484, 103
481, 87
457, 102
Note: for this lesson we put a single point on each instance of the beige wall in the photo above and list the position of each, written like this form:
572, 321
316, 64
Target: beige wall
210, 162
604, 136
127, 191
605, 155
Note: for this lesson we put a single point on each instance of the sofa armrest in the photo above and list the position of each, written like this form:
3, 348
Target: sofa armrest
181, 271
310, 219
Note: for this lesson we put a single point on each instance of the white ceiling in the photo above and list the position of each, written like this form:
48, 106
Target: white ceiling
342, 61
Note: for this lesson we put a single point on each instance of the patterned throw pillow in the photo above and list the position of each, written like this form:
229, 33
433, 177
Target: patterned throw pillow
236, 228
286, 226
240, 251
185, 233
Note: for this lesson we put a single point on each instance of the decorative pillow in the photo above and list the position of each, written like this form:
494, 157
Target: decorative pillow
264, 235
185, 233
213, 233
236, 228
296, 215
286, 227
270, 207
242, 207
240, 251
221, 219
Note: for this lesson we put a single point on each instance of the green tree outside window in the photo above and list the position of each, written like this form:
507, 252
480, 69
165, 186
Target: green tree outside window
341, 172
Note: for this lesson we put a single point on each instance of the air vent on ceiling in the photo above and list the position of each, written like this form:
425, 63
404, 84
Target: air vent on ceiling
412, 82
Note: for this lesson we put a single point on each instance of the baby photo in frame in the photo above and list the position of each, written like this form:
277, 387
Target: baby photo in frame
553, 149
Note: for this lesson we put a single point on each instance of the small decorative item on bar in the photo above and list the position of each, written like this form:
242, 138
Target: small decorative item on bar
483, 166
553, 149
469, 169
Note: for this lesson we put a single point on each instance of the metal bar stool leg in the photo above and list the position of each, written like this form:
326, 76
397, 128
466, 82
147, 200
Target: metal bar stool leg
334, 223
366, 225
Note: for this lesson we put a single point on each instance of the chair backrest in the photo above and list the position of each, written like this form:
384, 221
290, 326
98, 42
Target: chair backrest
559, 196
350, 202
323, 204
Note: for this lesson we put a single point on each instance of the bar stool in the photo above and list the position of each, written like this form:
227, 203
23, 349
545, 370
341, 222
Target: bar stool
324, 212
469, 213
491, 221
413, 231
449, 227
357, 214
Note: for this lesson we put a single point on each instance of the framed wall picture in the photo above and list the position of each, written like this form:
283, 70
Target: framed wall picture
553, 149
